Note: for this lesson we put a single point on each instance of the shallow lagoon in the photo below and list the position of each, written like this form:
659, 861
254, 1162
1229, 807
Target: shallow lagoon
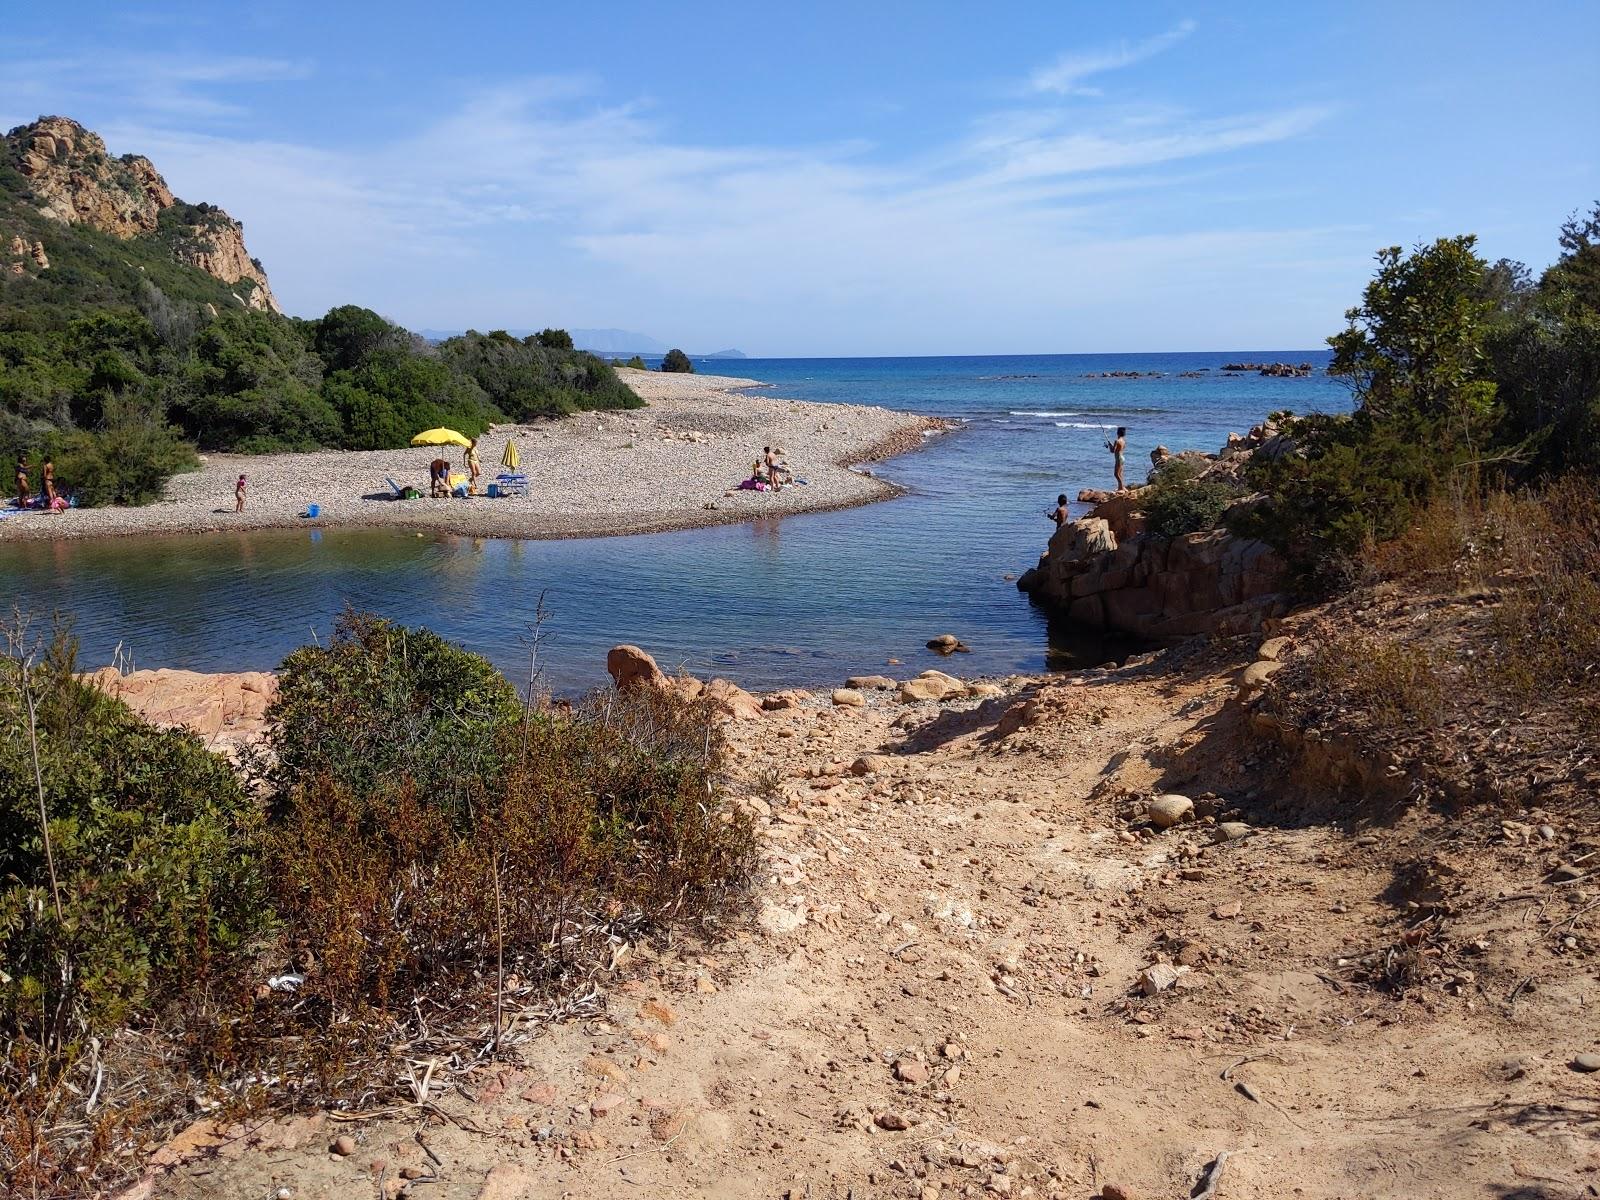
804, 600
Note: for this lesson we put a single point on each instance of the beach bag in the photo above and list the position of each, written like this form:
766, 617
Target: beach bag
410, 493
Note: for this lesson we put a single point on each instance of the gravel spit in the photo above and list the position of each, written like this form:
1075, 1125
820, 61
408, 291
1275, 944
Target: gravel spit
667, 466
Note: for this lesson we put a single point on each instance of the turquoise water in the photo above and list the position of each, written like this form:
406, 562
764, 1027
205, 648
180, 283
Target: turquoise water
803, 600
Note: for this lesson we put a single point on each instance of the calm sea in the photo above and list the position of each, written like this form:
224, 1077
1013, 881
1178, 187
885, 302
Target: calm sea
804, 600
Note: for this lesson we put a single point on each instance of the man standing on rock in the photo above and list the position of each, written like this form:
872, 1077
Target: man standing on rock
1117, 448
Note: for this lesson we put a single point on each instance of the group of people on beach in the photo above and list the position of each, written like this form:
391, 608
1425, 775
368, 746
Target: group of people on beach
439, 472
1061, 514
48, 498
769, 473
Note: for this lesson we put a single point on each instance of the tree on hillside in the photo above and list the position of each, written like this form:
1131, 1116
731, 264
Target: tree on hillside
677, 360
555, 339
349, 334
1414, 348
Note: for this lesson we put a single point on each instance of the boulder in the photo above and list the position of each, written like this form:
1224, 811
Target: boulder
731, 700
1275, 649
1253, 679
1166, 811
871, 764
914, 691
630, 666
870, 683
848, 698
945, 643
985, 691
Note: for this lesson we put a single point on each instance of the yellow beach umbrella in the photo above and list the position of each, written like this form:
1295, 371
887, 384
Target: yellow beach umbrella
440, 437
511, 460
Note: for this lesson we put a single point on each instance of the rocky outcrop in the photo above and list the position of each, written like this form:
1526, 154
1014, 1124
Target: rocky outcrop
74, 180
228, 711
1106, 571
631, 667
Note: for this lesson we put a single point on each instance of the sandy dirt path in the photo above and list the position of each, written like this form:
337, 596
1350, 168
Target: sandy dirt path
938, 995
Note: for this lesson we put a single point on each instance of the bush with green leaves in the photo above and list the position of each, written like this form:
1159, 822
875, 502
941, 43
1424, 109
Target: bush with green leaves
153, 846
676, 360
1178, 502
380, 700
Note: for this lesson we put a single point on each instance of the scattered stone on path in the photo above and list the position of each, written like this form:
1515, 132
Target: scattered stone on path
909, 1070
1231, 831
1115, 1191
1587, 1063
660, 1011
1566, 873
1166, 811
1227, 912
848, 698
1158, 977
1274, 649
604, 1103
344, 1145
870, 764
893, 1121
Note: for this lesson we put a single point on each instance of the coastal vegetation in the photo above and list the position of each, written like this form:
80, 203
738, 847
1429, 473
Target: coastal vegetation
676, 360
1467, 378
120, 356
409, 820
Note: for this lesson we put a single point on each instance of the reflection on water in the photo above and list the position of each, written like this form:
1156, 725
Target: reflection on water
802, 600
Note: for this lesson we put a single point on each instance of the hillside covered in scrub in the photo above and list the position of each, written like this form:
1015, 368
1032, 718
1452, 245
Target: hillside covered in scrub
136, 328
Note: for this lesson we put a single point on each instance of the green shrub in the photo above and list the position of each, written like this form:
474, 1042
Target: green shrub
154, 845
678, 361
1178, 502
384, 701
128, 462
1353, 481
608, 820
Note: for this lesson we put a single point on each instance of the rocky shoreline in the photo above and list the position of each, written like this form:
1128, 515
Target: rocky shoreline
674, 464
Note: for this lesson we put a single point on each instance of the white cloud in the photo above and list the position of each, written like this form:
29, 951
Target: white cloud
1065, 75
535, 202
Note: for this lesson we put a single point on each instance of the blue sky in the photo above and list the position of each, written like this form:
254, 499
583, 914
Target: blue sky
861, 178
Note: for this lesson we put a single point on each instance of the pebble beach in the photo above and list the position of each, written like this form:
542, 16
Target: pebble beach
674, 464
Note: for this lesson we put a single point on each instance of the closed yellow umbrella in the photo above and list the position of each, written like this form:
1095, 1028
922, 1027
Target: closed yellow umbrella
440, 437
511, 460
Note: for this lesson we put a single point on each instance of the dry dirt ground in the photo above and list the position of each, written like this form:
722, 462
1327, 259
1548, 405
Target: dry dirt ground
939, 995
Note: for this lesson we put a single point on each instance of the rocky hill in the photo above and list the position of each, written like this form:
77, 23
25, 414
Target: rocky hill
63, 172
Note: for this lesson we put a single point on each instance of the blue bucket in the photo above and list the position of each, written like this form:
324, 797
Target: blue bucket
494, 491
